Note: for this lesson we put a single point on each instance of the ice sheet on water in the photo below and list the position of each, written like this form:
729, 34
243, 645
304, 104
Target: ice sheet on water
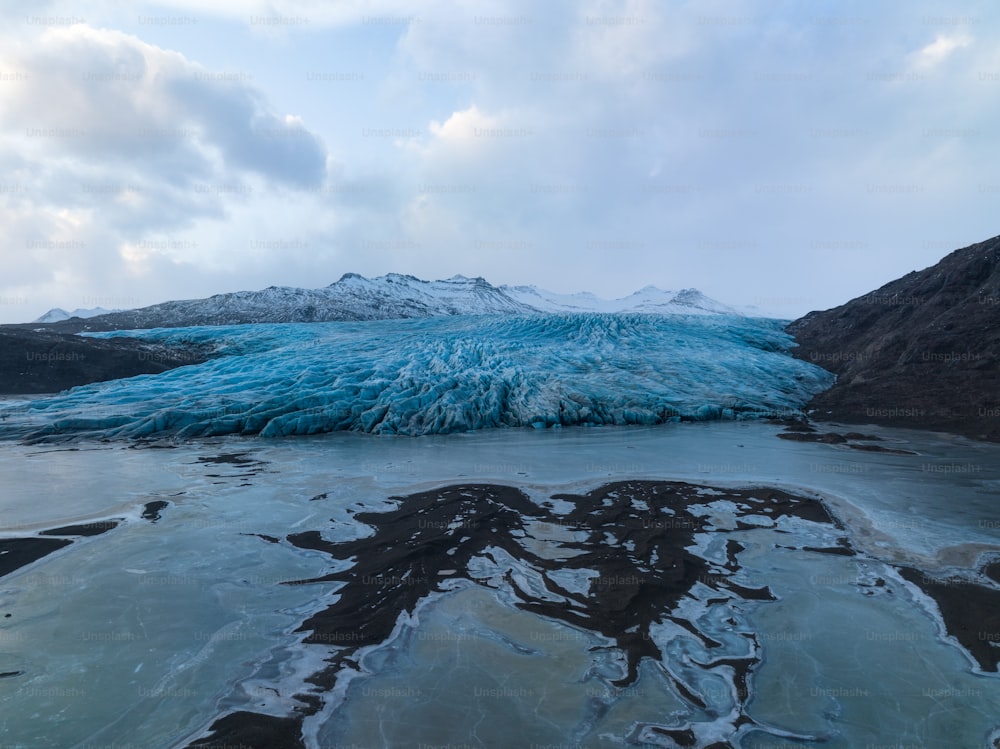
440, 375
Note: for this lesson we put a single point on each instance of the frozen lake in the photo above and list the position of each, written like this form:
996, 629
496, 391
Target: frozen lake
149, 632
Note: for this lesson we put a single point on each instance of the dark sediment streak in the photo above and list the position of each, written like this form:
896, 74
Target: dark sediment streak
151, 511
413, 542
971, 613
246, 730
838, 550
249, 466
264, 537
830, 438
796, 433
881, 449
19, 552
95, 528
992, 571
634, 534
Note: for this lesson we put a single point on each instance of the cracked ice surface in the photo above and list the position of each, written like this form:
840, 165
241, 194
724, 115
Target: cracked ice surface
441, 375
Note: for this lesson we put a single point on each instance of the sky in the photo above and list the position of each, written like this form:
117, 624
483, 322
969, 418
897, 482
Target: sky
786, 155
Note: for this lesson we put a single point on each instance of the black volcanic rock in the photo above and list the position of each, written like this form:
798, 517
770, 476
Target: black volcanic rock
40, 361
920, 352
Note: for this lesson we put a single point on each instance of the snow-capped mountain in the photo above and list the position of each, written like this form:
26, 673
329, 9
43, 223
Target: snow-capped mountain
392, 296
57, 314
646, 299
413, 297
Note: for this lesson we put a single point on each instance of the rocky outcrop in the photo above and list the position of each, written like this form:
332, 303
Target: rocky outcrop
920, 352
39, 361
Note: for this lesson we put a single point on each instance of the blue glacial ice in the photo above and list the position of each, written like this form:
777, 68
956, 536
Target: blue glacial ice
440, 375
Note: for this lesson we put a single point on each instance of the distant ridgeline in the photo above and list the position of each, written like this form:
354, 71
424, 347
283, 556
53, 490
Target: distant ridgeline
439, 375
393, 296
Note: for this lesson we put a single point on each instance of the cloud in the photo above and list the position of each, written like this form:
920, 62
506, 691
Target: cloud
113, 147
470, 139
462, 125
625, 40
938, 51
102, 96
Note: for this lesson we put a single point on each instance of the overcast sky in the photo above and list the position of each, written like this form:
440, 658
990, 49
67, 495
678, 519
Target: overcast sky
791, 155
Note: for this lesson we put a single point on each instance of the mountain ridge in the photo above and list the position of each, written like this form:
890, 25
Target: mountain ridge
354, 297
58, 314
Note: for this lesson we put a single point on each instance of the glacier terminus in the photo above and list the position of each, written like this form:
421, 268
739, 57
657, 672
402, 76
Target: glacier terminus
439, 375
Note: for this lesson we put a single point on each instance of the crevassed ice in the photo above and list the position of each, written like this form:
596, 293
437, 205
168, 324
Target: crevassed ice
442, 375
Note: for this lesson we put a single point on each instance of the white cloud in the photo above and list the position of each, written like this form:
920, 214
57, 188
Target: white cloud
100, 96
470, 140
623, 40
112, 146
938, 51
463, 125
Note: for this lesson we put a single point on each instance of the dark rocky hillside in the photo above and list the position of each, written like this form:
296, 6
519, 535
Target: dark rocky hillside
40, 361
920, 352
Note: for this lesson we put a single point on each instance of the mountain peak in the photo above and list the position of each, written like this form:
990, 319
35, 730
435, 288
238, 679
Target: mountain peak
58, 314
349, 277
459, 278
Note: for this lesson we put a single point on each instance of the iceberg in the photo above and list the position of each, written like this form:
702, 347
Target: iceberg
440, 375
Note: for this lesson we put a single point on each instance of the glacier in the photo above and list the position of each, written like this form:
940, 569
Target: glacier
440, 375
